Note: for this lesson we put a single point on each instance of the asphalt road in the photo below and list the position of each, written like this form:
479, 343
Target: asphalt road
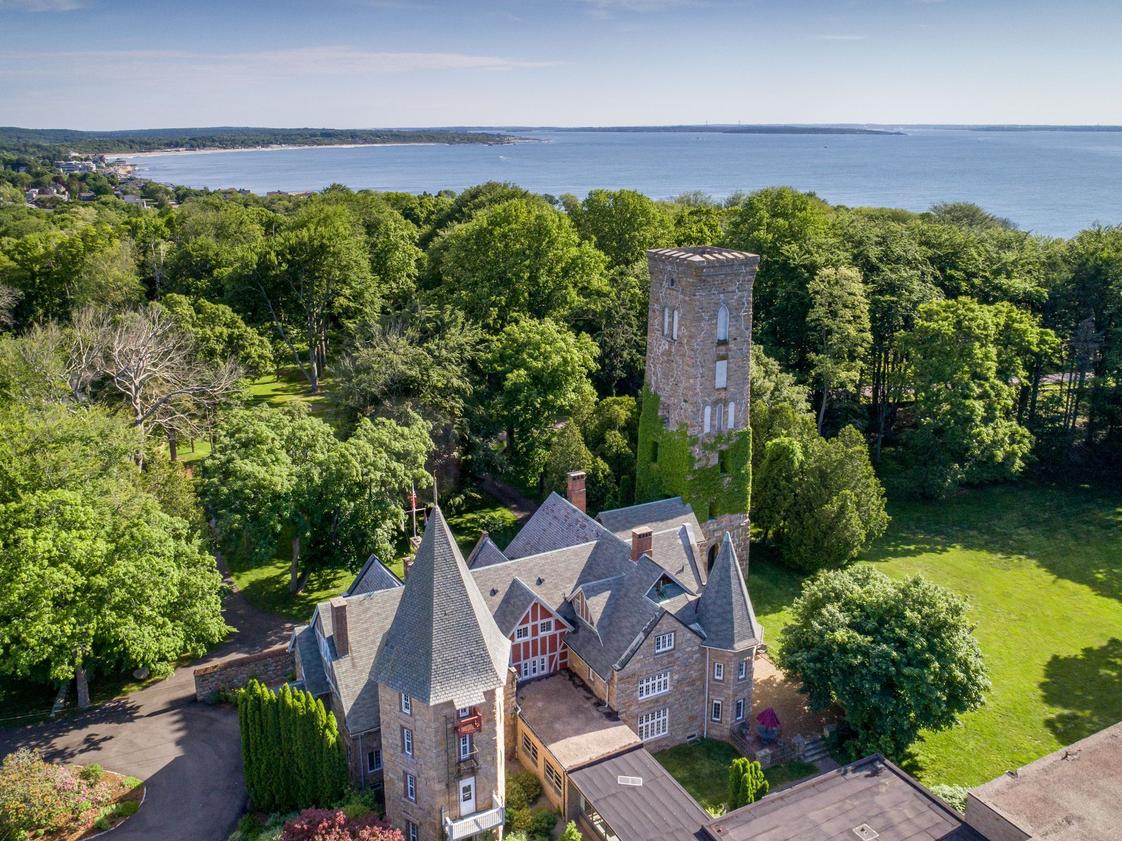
188, 753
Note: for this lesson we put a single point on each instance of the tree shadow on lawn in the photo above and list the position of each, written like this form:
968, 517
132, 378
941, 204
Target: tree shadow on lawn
1088, 686
1073, 531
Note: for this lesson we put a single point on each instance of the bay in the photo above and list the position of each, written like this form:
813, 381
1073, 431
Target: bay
1049, 182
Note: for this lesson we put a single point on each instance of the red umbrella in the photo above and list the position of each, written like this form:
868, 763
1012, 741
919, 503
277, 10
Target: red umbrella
768, 718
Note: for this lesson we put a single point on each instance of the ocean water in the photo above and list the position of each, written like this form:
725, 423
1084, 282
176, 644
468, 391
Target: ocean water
1049, 182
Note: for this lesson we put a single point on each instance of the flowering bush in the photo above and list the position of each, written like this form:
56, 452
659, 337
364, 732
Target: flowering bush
334, 825
36, 796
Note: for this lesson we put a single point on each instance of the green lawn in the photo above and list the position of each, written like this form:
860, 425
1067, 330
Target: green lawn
702, 769
1042, 569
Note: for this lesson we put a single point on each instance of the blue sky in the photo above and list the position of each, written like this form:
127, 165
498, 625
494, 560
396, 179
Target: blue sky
101, 64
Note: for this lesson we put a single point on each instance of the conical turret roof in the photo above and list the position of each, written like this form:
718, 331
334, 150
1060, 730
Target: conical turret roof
443, 644
724, 609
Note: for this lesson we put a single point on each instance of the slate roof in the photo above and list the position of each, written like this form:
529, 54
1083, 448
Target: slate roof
515, 602
724, 609
368, 618
311, 665
555, 525
485, 553
659, 808
830, 806
443, 644
659, 515
373, 576
702, 254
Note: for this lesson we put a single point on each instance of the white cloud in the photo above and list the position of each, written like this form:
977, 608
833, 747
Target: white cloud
40, 5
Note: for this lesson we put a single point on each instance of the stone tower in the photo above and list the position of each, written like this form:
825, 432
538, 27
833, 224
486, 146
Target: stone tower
441, 676
694, 440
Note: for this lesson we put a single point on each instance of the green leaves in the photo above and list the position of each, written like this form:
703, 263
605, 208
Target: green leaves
897, 656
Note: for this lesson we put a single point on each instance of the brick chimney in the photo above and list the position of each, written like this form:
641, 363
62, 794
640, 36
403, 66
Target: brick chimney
339, 626
641, 542
576, 489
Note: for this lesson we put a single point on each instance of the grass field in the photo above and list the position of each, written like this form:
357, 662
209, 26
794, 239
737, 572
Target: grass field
702, 769
1042, 569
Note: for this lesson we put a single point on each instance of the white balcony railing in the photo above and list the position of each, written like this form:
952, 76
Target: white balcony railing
477, 822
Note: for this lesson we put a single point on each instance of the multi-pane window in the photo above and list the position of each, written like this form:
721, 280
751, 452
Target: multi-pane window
545, 626
653, 685
654, 724
716, 711
522, 633
411, 830
742, 670
410, 787
406, 741
723, 324
721, 377
406, 704
718, 671
664, 642
465, 746
373, 761
740, 709
463, 712
553, 777
529, 748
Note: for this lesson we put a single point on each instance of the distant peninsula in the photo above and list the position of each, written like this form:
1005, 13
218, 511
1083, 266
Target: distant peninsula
226, 137
742, 129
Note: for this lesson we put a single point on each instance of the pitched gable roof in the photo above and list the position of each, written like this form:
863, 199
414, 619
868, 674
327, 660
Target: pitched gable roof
515, 602
661, 512
373, 576
443, 644
555, 525
725, 610
485, 553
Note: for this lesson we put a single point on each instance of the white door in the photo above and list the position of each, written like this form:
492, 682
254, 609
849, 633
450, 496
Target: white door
467, 796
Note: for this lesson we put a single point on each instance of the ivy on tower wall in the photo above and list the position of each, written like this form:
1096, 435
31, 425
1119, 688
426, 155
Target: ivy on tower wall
665, 465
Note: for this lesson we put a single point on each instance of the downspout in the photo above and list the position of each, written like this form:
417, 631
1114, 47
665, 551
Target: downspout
705, 711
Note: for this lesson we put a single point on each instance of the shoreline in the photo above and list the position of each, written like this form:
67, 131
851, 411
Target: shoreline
284, 147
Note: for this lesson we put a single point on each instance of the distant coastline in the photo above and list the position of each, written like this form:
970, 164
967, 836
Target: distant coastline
740, 129
282, 147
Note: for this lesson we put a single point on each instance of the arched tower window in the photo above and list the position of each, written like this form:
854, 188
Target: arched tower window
723, 324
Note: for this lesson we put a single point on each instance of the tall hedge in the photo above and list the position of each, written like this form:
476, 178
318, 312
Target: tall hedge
292, 751
747, 783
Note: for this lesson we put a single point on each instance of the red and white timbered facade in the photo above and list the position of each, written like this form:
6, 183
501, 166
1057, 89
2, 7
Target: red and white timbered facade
537, 645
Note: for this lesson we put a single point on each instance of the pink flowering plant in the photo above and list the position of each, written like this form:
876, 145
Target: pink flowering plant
334, 825
37, 796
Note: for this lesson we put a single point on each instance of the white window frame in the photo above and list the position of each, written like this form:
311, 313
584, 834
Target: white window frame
716, 710
373, 761
654, 724
740, 709
664, 642
410, 787
654, 685
466, 746
718, 671
406, 704
411, 830
463, 712
721, 374
406, 741
674, 329
522, 632
723, 324
742, 670
545, 626
707, 419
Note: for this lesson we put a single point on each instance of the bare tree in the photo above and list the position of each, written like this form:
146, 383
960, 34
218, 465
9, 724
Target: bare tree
150, 362
8, 299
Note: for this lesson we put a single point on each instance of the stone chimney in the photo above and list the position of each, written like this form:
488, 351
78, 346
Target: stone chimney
641, 542
576, 489
339, 626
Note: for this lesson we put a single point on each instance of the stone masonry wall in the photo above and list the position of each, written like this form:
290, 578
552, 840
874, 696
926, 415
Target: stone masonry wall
433, 763
685, 700
272, 667
728, 690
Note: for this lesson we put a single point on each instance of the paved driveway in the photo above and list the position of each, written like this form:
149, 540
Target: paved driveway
188, 753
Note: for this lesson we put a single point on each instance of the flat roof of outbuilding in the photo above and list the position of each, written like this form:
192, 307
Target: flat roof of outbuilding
639, 799
571, 722
833, 806
1074, 793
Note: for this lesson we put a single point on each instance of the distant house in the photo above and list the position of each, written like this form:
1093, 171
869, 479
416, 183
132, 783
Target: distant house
75, 166
135, 201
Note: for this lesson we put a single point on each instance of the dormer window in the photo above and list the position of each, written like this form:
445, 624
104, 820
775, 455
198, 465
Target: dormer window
664, 589
722, 324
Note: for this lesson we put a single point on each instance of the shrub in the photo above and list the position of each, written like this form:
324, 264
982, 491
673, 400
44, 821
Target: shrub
522, 789
746, 782
519, 818
542, 822
571, 833
126, 808
334, 825
953, 796
360, 804
102, 823
37, 796
92, 773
